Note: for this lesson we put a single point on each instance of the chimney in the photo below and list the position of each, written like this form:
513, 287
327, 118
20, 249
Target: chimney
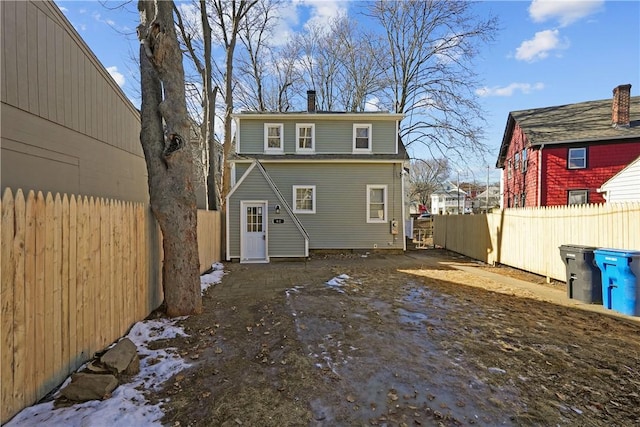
311, 101
621, 106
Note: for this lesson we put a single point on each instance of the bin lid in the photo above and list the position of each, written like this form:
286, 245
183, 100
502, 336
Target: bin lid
627, 253
577, 248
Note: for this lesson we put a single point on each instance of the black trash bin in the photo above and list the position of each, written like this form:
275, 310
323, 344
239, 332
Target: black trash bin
584, 281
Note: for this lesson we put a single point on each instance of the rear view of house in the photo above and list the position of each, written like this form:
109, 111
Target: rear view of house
562, 155
315, 180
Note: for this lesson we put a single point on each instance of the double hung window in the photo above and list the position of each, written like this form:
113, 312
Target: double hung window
361, 138
577, 158
376, 203
273, 137
304, 199
578, 197
305, 138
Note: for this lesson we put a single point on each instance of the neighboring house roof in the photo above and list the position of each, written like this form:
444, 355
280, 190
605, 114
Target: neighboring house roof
563, 124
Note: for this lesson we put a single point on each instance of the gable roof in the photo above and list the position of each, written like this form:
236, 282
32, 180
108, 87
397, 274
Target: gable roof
563, 124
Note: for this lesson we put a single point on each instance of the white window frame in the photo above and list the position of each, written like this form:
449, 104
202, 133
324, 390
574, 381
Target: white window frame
583, 157
295, 200
357, 126
577, 192
524, 160
384, 196
268, 149
313, 137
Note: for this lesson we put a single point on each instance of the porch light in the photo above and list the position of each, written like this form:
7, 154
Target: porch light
277, 209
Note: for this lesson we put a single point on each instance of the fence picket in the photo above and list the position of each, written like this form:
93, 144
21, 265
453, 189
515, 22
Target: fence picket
7, 404
30, 383
19, 313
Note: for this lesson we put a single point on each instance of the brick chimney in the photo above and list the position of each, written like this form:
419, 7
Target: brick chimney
311, 101
621, 105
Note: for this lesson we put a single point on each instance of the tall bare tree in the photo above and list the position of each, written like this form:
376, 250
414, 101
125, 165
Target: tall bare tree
165, 140
204, 67
431, 48
361, 74
254, 62
227, 18
425, 177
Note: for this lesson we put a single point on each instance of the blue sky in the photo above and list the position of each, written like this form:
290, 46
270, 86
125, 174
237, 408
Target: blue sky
547, 53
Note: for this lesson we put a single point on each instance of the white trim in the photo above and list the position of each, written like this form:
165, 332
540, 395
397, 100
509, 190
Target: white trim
233, 175
370, 135
385, 200
238, 148
321, 117
268, 149
280, 159
313, 138
313, 200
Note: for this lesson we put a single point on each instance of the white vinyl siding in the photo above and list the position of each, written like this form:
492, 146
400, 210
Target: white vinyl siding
376, 203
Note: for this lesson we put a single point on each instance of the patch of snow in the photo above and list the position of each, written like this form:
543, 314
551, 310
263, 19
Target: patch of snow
212, 278
127, 405
338, 282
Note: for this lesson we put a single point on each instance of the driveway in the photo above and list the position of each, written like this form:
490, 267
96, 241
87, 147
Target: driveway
414, 339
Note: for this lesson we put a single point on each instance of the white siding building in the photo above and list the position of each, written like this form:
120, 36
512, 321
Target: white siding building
624, 186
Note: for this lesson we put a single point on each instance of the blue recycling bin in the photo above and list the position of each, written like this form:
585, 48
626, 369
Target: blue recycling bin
620, 270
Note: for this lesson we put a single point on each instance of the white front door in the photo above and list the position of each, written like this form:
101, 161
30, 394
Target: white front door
254, 232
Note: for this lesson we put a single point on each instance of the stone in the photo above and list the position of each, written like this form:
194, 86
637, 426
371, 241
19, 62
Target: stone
134, 366
118, 358
84, 387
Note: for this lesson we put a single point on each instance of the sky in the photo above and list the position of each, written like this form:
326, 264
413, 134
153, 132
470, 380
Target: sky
548, 52
127, 405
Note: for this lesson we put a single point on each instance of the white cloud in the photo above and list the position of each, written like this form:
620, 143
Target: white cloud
539, 47
509, 90
372, 104
117, 76
323, 11
565, 12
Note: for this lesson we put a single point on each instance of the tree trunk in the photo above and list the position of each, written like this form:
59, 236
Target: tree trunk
165, 140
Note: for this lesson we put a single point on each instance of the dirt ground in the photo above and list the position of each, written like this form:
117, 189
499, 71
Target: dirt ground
403, 340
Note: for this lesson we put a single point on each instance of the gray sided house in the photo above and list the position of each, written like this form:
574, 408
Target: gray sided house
315, 181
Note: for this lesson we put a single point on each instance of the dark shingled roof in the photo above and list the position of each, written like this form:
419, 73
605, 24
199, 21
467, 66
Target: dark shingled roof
563, 124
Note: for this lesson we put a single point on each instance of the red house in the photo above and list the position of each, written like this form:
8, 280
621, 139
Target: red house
561, 155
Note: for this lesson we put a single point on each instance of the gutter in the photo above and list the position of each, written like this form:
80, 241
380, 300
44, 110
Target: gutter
540, 174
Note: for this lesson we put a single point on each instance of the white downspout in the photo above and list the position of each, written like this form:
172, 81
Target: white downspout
540, 175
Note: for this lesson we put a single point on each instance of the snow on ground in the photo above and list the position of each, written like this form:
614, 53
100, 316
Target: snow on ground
127, 405
338, 282
212, 278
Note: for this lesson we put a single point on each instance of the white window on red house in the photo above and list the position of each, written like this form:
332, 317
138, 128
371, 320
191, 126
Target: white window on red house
577, 158
509, 169
578, 197
516, 163
524, 160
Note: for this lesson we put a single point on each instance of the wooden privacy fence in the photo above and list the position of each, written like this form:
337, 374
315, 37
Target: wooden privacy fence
528, 238
76, 273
